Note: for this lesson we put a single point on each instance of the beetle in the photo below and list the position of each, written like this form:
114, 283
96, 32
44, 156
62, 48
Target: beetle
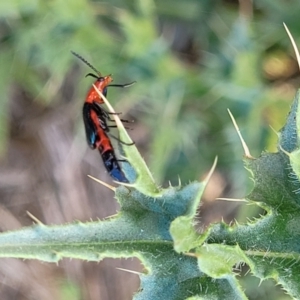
96, 131
95, 120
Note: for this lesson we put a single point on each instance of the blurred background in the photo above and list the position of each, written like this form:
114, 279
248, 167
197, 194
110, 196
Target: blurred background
191, 59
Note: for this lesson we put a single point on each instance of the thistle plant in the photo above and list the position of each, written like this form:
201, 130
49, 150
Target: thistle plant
157, 225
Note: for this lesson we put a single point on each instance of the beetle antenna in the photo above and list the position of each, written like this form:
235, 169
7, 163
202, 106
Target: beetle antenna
86, 62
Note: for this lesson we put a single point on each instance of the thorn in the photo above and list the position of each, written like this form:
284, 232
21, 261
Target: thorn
109, 217
179, 181
284, 151
130, 271
35, 219
232, 199
212, 169
293, 43
191, 254
273, 129
103, 183
245, 147
124, 183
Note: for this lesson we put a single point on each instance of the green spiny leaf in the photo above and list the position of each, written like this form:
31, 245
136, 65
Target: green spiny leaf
140, 229
271, 243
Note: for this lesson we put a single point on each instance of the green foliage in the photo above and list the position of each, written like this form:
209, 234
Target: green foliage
157, 226
181, 95
269, 245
